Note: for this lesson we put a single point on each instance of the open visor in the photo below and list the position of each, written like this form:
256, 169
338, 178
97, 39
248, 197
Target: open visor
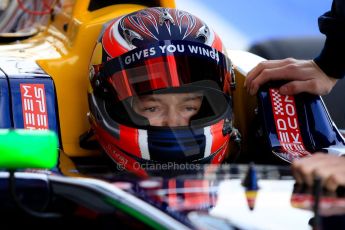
164, 65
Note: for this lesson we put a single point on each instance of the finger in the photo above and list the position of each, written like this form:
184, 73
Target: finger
332, 168
326, 168
264, 65
252, 75
295, 168
336, 178
305, 168
265, 76
301, 169
296, 87
291, 72
316, 86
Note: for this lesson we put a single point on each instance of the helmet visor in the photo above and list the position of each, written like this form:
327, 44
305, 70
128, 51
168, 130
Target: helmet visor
169, 83
164, 65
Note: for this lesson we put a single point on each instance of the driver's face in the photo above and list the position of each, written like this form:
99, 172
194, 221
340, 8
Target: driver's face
173, 109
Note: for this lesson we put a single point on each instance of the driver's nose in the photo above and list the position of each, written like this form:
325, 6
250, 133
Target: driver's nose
173, 119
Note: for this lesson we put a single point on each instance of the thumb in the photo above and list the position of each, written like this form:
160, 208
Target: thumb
296, 87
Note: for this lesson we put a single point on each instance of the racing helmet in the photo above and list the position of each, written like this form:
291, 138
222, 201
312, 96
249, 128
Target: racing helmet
159, 92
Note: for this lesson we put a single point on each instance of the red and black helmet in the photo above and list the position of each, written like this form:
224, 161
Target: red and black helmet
159, 93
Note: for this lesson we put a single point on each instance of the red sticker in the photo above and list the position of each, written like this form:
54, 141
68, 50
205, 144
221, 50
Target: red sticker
34, 105
287, 127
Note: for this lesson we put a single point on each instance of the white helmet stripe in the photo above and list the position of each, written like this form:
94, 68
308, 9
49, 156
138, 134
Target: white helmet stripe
144, 148
209, 140
210, 39
118, 37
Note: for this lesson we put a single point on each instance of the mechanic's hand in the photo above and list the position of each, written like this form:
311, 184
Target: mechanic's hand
330, 168
304, 76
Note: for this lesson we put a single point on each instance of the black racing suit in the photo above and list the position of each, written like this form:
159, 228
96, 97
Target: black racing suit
332, 58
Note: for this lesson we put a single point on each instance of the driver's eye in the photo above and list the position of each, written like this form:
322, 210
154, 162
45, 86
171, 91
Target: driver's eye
191, 108
150, 109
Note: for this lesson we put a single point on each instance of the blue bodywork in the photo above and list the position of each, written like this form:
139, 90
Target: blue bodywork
13, 73
318, 131
5, 118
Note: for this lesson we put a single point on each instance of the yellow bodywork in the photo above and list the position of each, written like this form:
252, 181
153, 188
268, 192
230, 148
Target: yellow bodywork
63, 50
244, 105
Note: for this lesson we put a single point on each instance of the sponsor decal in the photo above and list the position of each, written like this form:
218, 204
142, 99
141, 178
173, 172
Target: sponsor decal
34, 106
169, 49
287, 127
